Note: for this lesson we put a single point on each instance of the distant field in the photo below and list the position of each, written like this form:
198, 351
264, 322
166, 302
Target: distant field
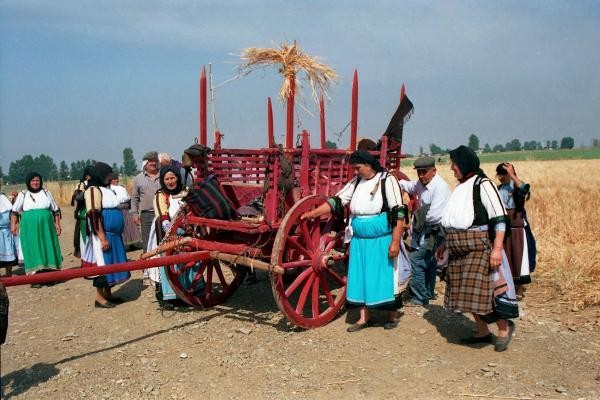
537, 155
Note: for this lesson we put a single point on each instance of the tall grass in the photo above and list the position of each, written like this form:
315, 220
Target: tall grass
563, 212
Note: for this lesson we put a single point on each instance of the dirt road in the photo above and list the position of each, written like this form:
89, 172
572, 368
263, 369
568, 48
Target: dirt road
60, 347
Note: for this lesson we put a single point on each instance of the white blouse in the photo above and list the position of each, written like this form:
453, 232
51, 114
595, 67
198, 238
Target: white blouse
367, 198
5, 204
459, 212
41, 200
121, 193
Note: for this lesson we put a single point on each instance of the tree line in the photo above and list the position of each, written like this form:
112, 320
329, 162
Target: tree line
566, 142
45, 165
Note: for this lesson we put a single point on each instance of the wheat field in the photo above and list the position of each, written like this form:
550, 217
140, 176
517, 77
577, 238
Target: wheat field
563, 212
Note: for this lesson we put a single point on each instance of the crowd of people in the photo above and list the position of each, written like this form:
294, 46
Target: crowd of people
476, 237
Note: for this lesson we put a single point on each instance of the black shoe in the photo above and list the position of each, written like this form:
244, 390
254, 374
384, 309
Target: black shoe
502, 342
391, 324
116, 300
108, 304
36, 286
477, 339
358, 327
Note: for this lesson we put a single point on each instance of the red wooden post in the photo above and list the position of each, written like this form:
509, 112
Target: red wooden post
322, 114
354, 118
270, 124
305, 164
203, 106
289, 132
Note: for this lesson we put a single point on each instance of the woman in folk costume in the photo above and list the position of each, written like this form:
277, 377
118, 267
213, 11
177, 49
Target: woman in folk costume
479, 279
375, 244
39, 226
8, 244
520, 247
131, 233
105, 226
78, 201
167, 202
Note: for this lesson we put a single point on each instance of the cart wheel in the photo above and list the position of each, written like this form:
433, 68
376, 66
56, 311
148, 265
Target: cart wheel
207, 283
312, 289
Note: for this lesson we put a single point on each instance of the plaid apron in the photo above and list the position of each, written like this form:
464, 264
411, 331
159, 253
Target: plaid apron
470, 285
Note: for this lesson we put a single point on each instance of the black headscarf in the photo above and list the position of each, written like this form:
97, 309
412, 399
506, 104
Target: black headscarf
364, 157
174, 170
500, 170
28, 180
467, 161
100, 172
87, 171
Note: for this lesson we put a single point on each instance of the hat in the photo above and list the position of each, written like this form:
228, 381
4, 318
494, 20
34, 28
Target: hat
424, 162
151, 155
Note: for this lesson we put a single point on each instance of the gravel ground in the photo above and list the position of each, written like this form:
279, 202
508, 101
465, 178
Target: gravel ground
60, 347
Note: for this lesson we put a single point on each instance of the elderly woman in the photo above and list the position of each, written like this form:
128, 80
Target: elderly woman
476, 283
39, 227
105, 226
376, 219
8, 243
167, 202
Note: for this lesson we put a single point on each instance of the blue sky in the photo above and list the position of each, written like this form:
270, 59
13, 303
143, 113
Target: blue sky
85, 79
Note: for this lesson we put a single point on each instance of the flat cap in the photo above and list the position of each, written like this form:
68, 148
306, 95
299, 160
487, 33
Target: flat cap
424, 162
151, 155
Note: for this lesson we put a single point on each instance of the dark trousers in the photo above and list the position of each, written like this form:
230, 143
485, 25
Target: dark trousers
146, 218
423, 266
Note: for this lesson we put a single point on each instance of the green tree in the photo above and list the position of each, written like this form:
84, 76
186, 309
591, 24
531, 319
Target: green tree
513, 145
554, 144
487, 148
548, 144
567, 142
436, 149
330, 145
63, 171
474, 142
129, 165
1, 174
44, 164
530, 145
18, 170
115, 168
498, 148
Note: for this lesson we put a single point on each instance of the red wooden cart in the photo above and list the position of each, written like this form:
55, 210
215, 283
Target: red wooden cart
306, 260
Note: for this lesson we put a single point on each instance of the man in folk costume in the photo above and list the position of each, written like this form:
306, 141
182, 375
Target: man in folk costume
425, 231
145, 185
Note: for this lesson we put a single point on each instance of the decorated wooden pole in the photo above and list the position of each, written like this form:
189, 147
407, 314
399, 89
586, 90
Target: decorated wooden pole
203, 106
289, 132
270, 123
322, 115
354, 118
67, 274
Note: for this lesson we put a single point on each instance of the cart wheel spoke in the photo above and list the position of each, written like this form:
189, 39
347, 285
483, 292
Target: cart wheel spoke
294, 242
315, 297
327, 291
336, 277
304, 294
308, 239
297, 264
297, 282
224, 284
209, 280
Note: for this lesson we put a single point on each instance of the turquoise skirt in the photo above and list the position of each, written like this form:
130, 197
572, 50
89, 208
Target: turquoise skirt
371, 271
